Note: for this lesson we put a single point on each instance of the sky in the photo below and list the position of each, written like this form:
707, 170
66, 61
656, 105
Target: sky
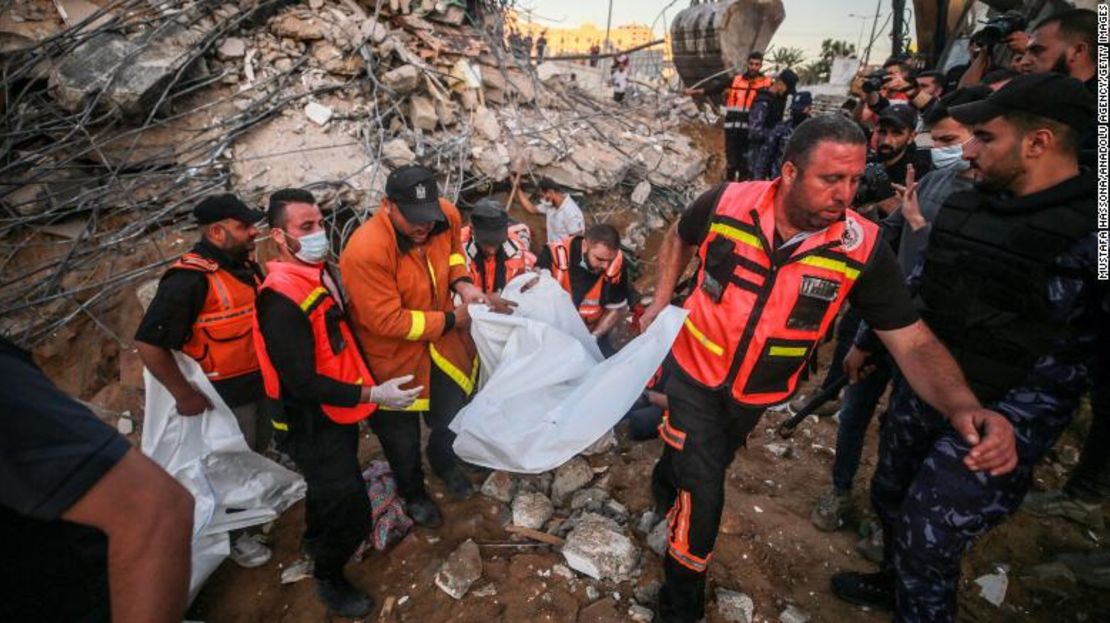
807, 22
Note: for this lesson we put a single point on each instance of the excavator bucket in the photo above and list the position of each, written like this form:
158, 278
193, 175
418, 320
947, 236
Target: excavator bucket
708, 37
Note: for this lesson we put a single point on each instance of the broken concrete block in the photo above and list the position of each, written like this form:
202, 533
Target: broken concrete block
422, 112
641, 193
396, 153
403, 80
597, 548
735, 607
532, 510
591, 499
334, 61
640, 614
657, 538
499, 485
232, 48
570, 477
461, 570
491, 161
318, 113
445, 112
297, 28
486, 125
793, 614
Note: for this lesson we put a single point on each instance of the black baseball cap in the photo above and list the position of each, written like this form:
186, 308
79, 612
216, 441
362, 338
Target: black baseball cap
413, 188
899, 115
489, 223
1050, 95
219, 207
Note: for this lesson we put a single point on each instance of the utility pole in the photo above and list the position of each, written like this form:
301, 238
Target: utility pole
899, 8
608, 23
871, 39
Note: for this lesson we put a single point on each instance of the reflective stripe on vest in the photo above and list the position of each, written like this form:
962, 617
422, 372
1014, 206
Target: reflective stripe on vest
336, 351
483, 270
220, 339
753, 323
741, 93
590, 308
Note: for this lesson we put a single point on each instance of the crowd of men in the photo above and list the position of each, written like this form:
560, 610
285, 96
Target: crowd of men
961, 276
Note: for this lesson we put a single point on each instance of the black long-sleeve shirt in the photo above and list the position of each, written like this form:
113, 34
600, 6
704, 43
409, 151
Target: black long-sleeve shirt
291, 346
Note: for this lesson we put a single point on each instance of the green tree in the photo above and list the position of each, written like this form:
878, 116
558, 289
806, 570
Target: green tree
787, 58
818, 71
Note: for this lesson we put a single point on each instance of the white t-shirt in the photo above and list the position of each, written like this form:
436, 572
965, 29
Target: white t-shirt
620, 80
564, 220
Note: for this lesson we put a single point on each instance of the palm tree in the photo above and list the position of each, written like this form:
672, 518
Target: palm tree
787, 58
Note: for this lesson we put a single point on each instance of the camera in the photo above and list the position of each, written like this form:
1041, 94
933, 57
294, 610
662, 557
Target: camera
874, 186
875, 81
997, 28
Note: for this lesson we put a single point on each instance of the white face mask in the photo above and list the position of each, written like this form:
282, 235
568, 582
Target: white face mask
951, 157
314, 247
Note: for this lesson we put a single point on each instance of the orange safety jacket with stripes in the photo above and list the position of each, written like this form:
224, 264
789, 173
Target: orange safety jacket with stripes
483, 269
400, 298
590, 309
336, 351
220, 340
740, 97
754, 321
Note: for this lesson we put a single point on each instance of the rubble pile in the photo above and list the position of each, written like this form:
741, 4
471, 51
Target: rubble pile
134, 109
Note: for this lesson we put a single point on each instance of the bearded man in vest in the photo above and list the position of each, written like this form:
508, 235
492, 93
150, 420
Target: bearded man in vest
778, 259
1009, 281
402, 268
591, 269
740, 92
495, 252
204, 307
320, 388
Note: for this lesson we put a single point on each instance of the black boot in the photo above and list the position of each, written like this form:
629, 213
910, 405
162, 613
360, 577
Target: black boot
424, 512
458, 485
342, 598
875, 590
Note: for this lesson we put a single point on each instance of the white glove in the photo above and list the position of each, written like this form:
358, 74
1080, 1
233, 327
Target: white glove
390, 395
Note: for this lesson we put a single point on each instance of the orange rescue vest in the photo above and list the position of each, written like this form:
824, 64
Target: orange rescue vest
742, 91
590, 309
337, 353
483, 270
753, 322
220, 340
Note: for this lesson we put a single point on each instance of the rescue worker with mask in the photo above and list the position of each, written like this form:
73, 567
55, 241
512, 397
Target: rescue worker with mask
401, 268
1009, 282
204, 307
591, 269
778, 260
320, 388
740, 94
495, 254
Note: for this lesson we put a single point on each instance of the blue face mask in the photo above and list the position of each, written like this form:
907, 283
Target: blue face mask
951, 157
314, 247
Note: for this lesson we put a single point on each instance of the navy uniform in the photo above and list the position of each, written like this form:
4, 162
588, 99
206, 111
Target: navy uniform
766, 115
1009, 285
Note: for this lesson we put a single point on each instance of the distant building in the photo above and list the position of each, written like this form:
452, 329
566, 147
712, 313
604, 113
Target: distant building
568, 41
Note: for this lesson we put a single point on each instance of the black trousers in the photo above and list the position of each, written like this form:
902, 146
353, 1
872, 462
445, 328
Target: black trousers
736, 155
1090, 481
702, 433
399, 434
337, 506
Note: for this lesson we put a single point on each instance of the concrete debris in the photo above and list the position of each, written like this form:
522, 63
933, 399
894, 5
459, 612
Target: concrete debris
640, 614
592, 594
793, 614
532, 510
300, 570
499, 485
598, 548
489, 590
422, 112
570, 477
402, 80
735, 607
591, 500
646, 522
231, 48
992, 586
318, 113
396, 153
647, 592
299, 28
641, 193
657, 538
781, 450
486, 124
461, 570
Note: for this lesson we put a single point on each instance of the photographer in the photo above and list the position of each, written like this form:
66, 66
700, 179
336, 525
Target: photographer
1007, 29
892, 83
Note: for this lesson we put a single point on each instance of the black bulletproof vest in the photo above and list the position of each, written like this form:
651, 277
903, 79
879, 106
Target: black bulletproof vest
984, 289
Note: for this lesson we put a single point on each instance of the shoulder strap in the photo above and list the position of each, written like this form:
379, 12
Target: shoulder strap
193, 261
